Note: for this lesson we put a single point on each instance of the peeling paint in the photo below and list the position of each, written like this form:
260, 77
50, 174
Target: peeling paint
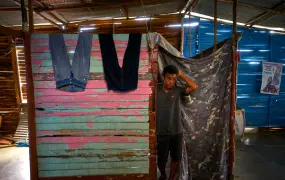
96, 126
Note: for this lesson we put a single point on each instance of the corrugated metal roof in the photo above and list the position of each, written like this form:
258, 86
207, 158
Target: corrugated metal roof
112, 9
244, 13
151, 7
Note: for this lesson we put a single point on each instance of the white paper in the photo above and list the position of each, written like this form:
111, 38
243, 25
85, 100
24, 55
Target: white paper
271, 78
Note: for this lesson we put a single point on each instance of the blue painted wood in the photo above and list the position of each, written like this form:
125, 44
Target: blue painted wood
103, 141
254, 47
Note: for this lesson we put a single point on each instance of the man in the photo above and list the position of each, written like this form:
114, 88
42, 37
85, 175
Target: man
169, 125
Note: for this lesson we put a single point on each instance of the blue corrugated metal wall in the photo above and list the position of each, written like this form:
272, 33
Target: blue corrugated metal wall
254, 47
277, 103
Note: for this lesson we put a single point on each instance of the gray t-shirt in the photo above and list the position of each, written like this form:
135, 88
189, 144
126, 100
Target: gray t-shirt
168, 111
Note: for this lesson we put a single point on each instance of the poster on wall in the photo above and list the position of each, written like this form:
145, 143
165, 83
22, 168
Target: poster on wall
271, 78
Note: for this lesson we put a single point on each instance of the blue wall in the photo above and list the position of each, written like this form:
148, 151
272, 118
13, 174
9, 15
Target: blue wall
254, 47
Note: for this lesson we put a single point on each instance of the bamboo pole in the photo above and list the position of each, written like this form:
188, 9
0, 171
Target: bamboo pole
215, 23
233, 91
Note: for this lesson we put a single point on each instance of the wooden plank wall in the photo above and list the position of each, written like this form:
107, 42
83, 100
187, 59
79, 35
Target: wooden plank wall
94, 132
22, 72
9, 88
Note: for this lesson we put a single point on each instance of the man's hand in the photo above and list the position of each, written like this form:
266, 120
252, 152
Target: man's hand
192, 86
180, 74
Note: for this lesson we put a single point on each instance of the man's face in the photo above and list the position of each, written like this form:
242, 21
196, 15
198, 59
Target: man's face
169, 80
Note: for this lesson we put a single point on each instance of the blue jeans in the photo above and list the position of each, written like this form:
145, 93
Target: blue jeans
71, 78
126, 78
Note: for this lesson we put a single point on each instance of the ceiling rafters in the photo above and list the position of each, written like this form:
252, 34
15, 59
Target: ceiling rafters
10, 32
38, 13
43, 5
96, 5
242, 4
83, 2
12, 9
265, 15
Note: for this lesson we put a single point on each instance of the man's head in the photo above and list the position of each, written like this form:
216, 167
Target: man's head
169, 76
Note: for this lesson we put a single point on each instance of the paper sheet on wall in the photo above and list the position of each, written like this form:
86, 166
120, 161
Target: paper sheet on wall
271, 78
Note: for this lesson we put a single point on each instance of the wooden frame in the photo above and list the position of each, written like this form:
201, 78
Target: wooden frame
10, 32
31, 109
233, 92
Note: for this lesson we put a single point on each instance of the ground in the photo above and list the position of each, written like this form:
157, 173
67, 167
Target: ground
14, 163
261, 156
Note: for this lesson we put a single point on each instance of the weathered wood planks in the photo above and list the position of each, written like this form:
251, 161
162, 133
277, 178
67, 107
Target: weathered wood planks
94, 132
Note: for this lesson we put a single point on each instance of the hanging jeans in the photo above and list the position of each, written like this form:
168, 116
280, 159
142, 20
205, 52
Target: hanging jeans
71, 78
117, 78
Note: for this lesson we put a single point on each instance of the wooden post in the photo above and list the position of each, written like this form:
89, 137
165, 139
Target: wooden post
30, 94
31, 16
24, 16
190, 33
233, 92
31, 109
215, 23
182, 35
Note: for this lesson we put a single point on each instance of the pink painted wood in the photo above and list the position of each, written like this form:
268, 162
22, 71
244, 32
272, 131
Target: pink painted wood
92, 98
55, 92
126, 112
93, 117
101, 105
92, 84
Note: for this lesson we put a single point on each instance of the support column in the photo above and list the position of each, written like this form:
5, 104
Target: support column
233, 92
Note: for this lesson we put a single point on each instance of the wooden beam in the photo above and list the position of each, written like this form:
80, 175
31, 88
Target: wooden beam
242, 4
24, 16
96, 5
10, 32
49, 13
9, 9
47, 19
83, 2
31, 16
189, 5
215, 23
42, 16
233, 92
126, 11
265, 15
31, 109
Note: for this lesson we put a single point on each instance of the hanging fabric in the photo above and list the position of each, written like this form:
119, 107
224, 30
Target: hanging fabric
117, 78
205, 151
71, 78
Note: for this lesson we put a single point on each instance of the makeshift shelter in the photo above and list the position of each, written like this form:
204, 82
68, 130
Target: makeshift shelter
92, 132
206, 116
43, 138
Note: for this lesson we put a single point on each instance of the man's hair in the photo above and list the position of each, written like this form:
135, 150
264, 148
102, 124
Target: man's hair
170, 69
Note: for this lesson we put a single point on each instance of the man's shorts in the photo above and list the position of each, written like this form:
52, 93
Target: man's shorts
169, 143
